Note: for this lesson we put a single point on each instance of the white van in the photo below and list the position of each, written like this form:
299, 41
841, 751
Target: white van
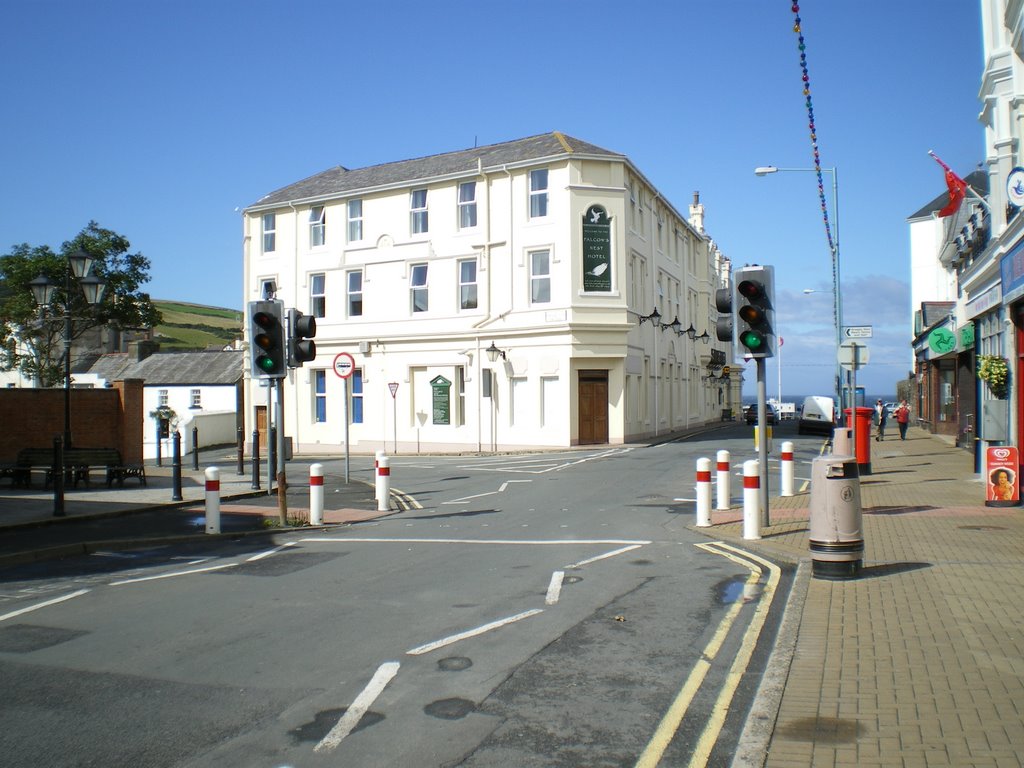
817, 414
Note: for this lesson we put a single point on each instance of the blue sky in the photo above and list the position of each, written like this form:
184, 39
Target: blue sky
161, 120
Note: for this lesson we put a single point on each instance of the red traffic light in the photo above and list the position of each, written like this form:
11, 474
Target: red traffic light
750, 290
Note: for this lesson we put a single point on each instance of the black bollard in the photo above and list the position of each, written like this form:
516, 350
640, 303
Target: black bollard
176, 468
240, 444
58, 477
195, 448
255, 460
159, 444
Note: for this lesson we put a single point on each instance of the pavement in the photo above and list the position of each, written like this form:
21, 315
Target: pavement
916, 661
919, 661
98, 518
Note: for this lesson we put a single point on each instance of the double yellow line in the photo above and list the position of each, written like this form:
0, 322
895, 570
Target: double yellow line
669, 725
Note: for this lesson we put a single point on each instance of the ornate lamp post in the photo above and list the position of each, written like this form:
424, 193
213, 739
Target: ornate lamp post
78, 265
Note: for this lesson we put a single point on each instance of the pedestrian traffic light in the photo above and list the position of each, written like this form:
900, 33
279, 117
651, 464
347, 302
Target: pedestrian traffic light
301, 330
723, 303
754, 305
267, 339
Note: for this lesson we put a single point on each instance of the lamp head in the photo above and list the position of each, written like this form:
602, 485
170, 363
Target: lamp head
493, 353
764, 170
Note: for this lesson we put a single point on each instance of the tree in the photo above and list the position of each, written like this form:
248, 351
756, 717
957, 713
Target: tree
31, 340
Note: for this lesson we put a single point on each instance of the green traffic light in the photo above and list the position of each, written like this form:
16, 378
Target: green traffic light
752, 340
266, 363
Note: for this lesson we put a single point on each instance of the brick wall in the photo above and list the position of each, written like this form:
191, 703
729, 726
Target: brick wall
100, 418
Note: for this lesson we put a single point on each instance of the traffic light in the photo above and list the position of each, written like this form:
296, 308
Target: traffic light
754, 306
301, 347
723, 303
267, 339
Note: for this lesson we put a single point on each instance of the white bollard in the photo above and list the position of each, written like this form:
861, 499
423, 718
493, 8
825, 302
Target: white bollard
212, 500
786, 486
722, 480
384, 482
751, 500
316, 494
376, 474
703, 493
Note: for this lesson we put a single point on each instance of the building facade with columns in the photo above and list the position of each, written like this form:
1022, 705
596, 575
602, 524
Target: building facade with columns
593, 293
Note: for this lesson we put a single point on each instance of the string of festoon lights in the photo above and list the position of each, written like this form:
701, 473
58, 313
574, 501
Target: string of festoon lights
810, 123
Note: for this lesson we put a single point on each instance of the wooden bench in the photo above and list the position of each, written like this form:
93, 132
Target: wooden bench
78, 462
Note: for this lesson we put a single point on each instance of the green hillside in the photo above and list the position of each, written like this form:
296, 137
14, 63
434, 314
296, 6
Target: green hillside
194, 326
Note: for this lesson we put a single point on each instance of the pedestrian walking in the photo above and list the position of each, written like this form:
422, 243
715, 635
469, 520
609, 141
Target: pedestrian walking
902, 414
881, 414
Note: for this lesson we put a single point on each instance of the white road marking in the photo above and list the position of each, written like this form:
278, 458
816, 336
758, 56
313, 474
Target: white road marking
613, 553
472, 632
270, 552
43, 604
352, 716
556, 542
501, 489
554, 587
172, 575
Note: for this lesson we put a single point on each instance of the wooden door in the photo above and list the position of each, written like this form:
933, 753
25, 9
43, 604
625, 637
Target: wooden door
261, 427
593, 407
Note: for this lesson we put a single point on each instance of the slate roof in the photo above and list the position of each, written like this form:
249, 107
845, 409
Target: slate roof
173, 368
978, 180
338, 181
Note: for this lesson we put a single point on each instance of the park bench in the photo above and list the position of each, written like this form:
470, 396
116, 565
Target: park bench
78, 462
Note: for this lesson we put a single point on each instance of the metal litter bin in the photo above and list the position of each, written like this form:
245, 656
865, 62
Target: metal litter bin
837, 537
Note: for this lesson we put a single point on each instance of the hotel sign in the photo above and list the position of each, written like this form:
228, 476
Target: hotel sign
597, 250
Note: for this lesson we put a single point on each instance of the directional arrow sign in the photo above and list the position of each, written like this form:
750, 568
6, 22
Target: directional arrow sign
857, 332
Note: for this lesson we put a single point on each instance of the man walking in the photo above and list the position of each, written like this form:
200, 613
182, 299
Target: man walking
881, 414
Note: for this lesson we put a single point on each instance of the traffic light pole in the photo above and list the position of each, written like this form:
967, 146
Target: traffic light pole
282, 484
762, 439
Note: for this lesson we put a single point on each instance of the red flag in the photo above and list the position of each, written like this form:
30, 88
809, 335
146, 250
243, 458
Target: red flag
957, 188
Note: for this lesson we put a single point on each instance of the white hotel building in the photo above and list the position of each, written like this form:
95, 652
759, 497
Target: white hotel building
548, 248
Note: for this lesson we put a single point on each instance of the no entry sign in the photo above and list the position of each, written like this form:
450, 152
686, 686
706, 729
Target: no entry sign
344, 364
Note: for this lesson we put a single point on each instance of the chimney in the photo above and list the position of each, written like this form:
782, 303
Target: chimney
141, 349
697, 213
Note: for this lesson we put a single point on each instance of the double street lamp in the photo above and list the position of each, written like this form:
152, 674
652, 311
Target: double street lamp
837, 307
78, 265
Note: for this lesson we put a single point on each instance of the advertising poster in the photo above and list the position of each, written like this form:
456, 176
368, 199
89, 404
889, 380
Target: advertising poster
1002, 482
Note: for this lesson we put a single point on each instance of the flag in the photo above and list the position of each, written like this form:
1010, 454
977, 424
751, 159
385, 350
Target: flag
957, 188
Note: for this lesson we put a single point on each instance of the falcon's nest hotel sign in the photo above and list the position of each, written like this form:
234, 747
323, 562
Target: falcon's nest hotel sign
597, 250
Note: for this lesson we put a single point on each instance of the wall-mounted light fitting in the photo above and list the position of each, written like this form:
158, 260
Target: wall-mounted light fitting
493, 353
654, 317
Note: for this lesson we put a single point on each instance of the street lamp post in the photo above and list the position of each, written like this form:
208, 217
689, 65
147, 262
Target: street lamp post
837, 306
79, 264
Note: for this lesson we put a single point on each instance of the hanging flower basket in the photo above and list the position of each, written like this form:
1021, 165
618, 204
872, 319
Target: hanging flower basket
994, 371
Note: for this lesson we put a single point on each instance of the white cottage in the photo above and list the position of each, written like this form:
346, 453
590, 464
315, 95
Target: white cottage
182, 391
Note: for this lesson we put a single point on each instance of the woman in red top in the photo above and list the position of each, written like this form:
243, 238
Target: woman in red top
902, 414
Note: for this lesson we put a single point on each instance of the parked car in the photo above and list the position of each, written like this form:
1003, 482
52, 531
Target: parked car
817, 414
750, 414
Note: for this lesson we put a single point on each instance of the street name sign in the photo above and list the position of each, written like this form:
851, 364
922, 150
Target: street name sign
857, 332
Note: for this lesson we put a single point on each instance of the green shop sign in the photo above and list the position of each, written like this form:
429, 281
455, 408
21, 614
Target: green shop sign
597, 250
966, 336
942, 341
441, 389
